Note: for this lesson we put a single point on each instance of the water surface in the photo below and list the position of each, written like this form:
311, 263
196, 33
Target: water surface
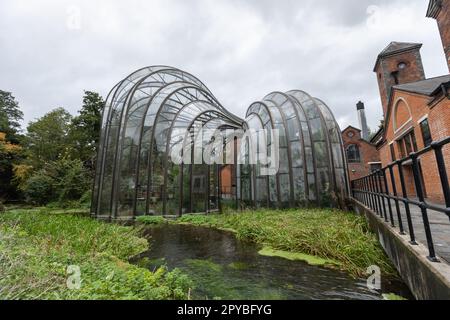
223, 267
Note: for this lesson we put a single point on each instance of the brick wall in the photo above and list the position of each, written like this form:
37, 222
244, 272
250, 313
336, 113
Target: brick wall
368, 153
439, 119
443, 21
413, 72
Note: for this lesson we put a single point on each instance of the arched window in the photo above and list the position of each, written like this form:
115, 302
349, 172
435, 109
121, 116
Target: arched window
353, 154
402, 115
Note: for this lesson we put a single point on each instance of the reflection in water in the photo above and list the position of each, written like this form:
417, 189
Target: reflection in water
223, 267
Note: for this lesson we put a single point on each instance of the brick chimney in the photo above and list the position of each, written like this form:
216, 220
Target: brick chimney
363, 121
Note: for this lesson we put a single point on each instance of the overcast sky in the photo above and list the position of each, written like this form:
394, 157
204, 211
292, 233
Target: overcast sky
50, 51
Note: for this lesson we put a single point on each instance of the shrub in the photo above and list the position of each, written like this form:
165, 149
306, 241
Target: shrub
85, 200
151, 220
40, 188
72, 179
63, 181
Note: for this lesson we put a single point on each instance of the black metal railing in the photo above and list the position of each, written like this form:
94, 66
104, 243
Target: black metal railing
375, 193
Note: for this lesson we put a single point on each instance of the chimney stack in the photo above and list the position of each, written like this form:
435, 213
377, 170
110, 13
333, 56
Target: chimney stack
363, 121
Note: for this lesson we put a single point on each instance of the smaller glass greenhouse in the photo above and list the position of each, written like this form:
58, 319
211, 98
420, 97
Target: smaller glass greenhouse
168, 147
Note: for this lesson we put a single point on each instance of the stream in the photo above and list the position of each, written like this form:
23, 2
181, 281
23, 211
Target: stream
223, 267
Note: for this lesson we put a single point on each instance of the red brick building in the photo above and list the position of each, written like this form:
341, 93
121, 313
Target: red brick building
416, 110
439, 10
362, 156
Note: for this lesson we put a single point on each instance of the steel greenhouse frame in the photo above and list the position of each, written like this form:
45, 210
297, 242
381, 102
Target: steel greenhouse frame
149, 113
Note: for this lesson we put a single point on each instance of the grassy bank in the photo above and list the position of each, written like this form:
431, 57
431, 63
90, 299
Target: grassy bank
334, 236
37, 246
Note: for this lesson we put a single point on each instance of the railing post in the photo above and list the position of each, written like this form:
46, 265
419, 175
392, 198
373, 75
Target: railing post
442, 174
389, 199
363, 194
369, 195
381, 193
374, 197
406, 203
397, 206
423, 207
366, 194
378, 194
352, 184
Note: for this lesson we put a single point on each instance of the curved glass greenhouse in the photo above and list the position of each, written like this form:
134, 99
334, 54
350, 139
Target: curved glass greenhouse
168, 147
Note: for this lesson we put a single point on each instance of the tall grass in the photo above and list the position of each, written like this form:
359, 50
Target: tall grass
37, 246
326, 233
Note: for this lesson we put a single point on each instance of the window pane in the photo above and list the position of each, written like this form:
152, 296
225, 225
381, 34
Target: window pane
393, 157
353, 153
375, 167
426, 133
401, 148
408, 144
414, 142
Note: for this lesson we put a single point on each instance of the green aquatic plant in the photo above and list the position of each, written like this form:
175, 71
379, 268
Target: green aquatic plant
295, 256
209, 276
238, 266
393, 297
151, 220
329, 234
204, 265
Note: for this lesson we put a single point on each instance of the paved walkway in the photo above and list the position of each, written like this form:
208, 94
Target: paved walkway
439, 224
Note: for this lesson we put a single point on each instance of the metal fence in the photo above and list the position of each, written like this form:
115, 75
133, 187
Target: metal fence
375, 193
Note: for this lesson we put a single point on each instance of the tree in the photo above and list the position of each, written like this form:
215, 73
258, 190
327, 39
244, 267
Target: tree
47, 139
10, 154
85, 129
374, 133
59, 181
10, 116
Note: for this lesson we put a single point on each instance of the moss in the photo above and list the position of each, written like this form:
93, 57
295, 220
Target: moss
204, 265
393, 297
219, 280
238, 266
295, 256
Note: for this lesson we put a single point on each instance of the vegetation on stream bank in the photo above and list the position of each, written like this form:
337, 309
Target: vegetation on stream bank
332, 236
37, 247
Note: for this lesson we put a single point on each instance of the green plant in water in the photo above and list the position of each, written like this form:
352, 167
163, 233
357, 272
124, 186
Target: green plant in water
294, 256
151, 220
393, 297
204, 265
329, 234
238, 266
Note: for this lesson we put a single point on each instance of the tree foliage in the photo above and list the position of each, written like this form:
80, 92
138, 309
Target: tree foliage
10, 155
55, 159
10, 116
59, 181
47, 138
85, 129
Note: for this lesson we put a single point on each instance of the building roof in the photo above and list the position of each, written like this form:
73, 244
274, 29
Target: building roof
434, 8
429, 87
378, 136
351, 127
396, 48
425, 87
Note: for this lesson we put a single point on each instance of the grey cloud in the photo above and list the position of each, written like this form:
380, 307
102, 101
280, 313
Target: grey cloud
242, 50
